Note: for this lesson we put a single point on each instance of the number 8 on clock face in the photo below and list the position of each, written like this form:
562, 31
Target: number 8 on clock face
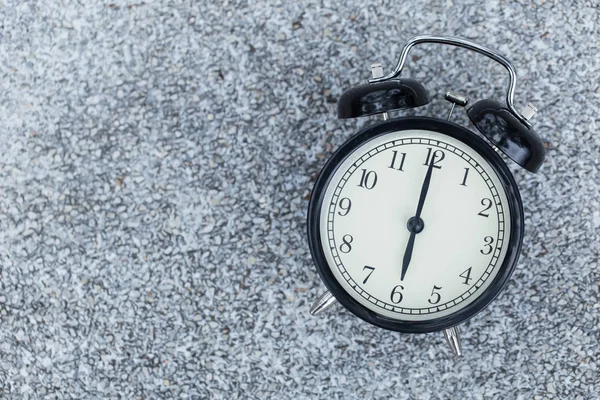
415, 224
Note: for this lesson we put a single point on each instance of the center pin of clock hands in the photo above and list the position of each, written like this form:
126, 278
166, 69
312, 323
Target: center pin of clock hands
415, 224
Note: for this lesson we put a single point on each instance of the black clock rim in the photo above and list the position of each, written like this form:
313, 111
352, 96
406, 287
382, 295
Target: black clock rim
514, 203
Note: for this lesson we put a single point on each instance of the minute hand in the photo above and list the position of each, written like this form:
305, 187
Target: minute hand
425, 188
411, 241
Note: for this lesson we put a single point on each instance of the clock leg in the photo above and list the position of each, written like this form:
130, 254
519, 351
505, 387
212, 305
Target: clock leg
324, 301
453, 339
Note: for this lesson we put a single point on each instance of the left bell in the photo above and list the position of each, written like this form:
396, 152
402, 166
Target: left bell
381, 97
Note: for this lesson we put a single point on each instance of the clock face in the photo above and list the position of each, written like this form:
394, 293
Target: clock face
415, 225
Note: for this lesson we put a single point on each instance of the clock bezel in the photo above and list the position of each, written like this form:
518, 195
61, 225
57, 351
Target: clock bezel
514, 242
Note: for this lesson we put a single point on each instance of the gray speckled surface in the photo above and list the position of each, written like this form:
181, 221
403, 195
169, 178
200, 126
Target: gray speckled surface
156, 164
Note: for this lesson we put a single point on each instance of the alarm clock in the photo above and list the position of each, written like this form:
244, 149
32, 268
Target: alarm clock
415, 224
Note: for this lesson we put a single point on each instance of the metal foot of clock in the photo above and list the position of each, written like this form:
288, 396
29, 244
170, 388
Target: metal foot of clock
453, 338
324, 301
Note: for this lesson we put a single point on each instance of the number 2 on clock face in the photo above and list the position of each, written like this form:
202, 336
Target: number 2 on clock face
369, 201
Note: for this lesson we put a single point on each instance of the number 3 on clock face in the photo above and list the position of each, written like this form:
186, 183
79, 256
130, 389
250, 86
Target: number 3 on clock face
458, 258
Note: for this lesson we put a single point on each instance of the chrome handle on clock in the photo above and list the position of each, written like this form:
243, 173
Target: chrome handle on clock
454, 41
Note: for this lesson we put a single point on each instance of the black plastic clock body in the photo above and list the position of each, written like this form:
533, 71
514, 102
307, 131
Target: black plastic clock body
415, 224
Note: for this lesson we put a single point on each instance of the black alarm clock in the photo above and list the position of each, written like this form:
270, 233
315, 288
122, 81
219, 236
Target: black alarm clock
415, 224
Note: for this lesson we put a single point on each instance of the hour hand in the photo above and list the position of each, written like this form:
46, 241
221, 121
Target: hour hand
407, 254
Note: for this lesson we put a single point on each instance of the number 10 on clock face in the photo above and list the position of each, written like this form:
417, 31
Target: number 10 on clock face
415, 228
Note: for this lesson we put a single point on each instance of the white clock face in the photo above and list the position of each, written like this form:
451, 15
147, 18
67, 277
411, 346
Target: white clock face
455, 254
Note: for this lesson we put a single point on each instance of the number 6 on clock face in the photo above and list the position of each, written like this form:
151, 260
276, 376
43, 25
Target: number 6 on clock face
429, 198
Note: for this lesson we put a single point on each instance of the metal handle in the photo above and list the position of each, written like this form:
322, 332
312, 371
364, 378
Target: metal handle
453, 41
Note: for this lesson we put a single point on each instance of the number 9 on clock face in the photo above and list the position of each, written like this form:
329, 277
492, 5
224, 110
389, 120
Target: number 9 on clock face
415, 224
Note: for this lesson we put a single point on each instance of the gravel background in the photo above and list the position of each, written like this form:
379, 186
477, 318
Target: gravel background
156, 165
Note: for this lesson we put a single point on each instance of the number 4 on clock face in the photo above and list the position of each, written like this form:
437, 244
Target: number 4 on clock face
467, 276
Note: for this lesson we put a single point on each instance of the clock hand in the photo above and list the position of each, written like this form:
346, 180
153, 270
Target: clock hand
425, 187
415, 224
407, 254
